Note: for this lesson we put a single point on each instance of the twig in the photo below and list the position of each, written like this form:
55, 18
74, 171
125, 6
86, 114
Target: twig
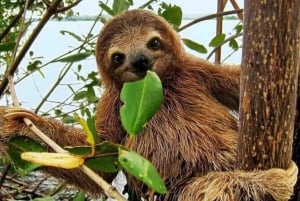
236, 7
210, 17
219, 29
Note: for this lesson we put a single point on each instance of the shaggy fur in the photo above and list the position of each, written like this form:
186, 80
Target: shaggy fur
192, 139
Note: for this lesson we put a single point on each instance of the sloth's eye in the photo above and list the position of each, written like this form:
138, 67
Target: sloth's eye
117, 58
154, 43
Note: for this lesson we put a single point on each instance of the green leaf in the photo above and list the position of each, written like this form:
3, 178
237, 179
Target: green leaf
173, 14
142, 169
80, 196
194, 46
120, 6
68, 119
105, 159
80, 95
233, 44
34, 65
71, 34
141, 100
106, 8
75, 57
217, 40
7, 46
20, 144
238, 28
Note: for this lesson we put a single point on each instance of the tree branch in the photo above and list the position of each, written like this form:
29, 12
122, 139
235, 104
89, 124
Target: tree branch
210, 17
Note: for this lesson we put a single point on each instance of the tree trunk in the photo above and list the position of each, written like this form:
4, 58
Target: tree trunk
269, 77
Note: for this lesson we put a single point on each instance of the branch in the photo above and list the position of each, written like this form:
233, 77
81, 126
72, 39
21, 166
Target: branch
10, 71
236, 7
210, 17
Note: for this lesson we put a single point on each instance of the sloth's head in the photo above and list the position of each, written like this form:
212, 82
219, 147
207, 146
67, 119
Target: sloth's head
134, 42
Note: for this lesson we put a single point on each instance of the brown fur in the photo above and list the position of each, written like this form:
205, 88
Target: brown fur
192, 140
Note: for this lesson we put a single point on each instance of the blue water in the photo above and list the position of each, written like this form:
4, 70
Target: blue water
51, 43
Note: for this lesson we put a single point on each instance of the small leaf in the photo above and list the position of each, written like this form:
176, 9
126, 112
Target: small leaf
142, 169
75, 57
238, 28
194, 46
68, 119
141, 100
34, 65
106, 8
217, 40
61, 160
80, 95
233, 44
173, 14
80, 196
120, 6
72, 34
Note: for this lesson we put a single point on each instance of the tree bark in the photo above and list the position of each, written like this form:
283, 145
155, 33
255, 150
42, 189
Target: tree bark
269, 79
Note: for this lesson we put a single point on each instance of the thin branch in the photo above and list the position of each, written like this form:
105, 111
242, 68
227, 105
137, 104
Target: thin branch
210, 17
10, 71
236, 7
219, 29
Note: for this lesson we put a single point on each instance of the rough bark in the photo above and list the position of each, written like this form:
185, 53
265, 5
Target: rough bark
268, 83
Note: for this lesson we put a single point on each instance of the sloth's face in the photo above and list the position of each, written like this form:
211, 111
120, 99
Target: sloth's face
130, 59
133, 43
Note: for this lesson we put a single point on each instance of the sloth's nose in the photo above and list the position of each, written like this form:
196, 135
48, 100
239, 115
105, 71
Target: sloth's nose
141, 62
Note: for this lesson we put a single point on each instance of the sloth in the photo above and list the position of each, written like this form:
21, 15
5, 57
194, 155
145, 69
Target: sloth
191, 140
